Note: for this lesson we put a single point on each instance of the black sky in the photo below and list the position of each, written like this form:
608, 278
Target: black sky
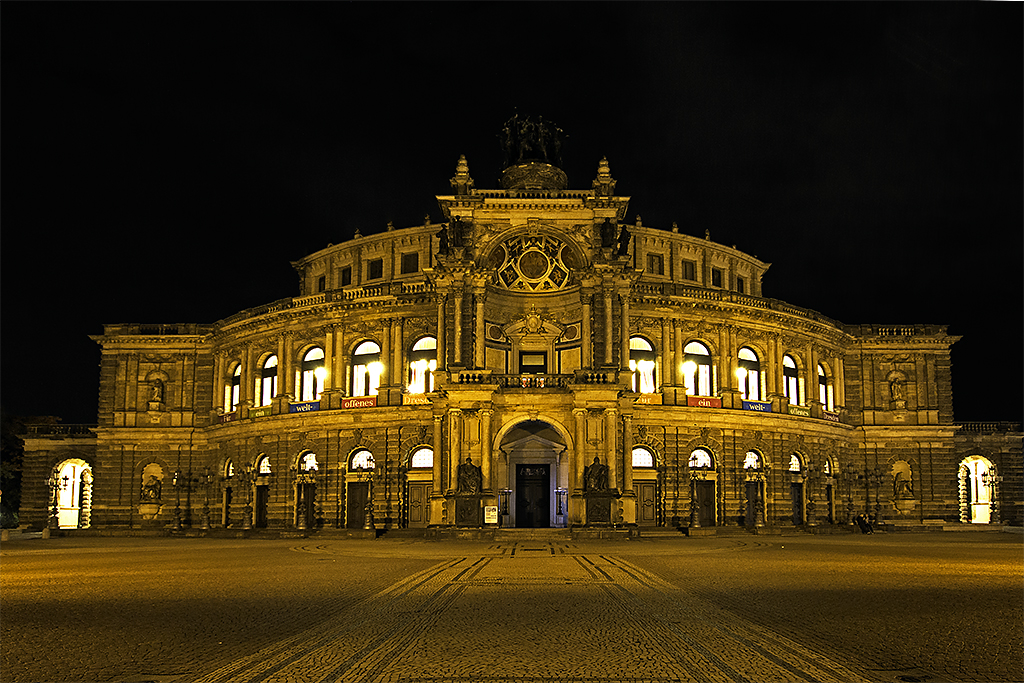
165, 162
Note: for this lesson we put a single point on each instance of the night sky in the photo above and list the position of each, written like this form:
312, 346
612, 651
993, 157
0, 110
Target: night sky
163, 163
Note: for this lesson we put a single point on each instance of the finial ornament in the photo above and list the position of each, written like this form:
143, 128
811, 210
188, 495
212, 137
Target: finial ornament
604, 184
462, 183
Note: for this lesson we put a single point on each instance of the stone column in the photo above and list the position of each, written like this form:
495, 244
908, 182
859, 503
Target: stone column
387, 375
611, 444
624, 341
455, 445
666, 375
627, 453
677, 335
442, 349
289, 376
485, 448
398, 330
479, 294
329, 358
812, 375
580, 461
586, 345
438, 454
245, 381
282, 373
607, 326
839, 382
458, 294
733, 356
219, 390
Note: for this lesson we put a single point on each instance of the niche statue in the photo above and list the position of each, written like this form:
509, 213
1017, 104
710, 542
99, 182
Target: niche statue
595, 476
470, 479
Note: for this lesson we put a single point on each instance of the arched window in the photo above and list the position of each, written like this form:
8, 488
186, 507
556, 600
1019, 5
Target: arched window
366, 369
824, 388
749, 375
752, 461
826, 467
641, 363
697, 369
229, 470
363, 460
642, 457
790, 380
311, 384
700, 458
266, 384
308, 463
795, 463
422, 361
232, 393
263, 465
422, 458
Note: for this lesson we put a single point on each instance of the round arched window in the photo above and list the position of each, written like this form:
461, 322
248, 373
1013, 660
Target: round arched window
422, 458
361, 460
313, 373
422, 361
752, 461
308, 463
697, 369
642, 457
366, 369
795, 463
700, 458
263, 465
748, 373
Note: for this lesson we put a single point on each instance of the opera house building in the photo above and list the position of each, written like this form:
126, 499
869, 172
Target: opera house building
535, 359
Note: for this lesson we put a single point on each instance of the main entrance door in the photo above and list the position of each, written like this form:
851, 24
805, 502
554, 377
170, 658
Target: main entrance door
533, 496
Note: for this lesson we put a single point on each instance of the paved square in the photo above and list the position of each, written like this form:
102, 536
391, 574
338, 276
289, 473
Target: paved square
797, 608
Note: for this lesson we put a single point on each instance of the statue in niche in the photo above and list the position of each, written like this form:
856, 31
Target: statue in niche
607, 234
896, 389
156, 391
623, 242
595, 476
470, 478
902, 487
152, 489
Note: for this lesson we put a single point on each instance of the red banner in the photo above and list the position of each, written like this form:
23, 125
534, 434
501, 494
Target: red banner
359, 402
703, 402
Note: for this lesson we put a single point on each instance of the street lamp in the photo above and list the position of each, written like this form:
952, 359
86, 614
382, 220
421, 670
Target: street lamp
696, 474
207, 477
177, 481
302, 478
56, 484
247, 479
366, 469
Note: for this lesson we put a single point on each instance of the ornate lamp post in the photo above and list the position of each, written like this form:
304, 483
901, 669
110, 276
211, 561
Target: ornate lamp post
56, 484
811, 478
302, 478
247, 478
849, 476
875, 477
206, 478
760, 475
991, 479
367, 471
696, 475
178, 482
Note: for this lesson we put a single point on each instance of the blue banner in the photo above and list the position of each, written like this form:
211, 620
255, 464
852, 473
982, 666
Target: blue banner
758, 406
307, 407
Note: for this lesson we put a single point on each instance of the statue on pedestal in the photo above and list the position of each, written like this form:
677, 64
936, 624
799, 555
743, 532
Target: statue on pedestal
595, 476
470, 478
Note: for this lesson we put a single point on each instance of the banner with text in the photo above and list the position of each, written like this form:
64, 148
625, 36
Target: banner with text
758, 406
359, 402
799, 410
703, 402
307, 407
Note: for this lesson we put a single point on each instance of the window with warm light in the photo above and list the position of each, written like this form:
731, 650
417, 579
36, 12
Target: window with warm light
641, 363
422, 459
308, 463
231, 394
311, 383
790, 380
700, 458
824, 389
229, 469
642, 457
697, 369
422, 363
748, 374
266, 383
752, 461
366, 369
795, 464
263, 465
362, 460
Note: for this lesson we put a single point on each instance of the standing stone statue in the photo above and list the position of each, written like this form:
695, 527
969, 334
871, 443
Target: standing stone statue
607, 234
623, 242
156, 391
470, 478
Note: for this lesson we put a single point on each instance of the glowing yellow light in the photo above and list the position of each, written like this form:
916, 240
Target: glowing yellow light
320, 373
689, 367
741, 373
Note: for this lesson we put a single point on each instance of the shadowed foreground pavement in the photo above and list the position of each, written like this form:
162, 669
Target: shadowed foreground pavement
934, 607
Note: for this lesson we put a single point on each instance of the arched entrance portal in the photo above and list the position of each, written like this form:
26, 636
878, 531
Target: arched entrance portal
74, 495
533, 471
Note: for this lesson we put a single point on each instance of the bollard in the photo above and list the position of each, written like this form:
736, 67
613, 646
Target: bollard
5, 535
46, 532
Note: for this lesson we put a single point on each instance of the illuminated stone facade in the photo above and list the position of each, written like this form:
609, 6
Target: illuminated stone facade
532, 361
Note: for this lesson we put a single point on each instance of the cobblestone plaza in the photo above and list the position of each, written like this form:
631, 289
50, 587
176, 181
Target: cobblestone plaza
884, 607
